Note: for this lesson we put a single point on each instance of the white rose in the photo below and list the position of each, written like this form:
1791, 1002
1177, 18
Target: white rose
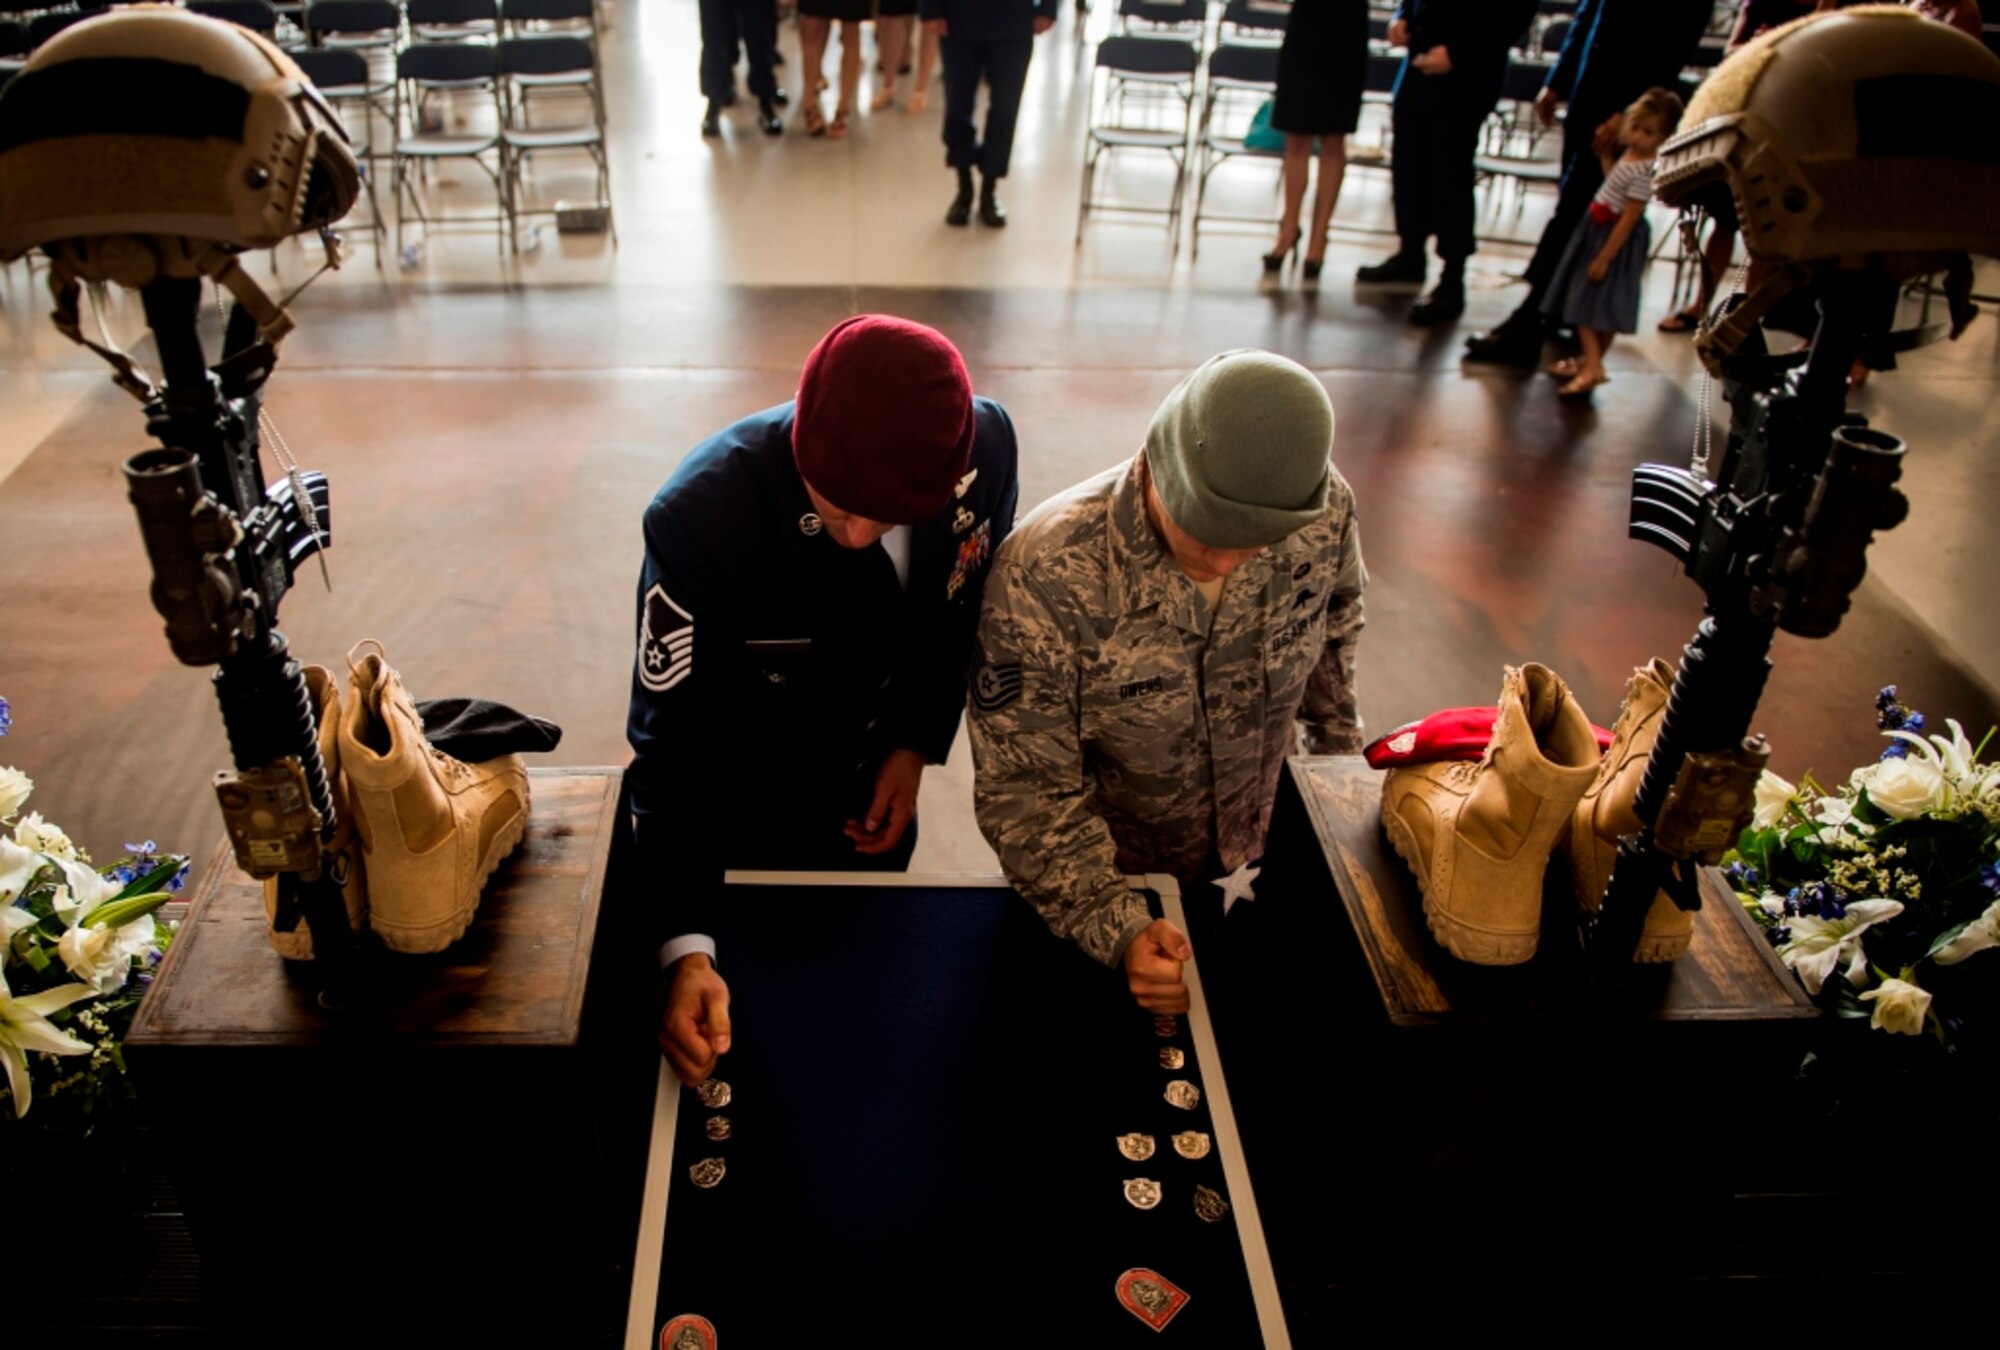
1774, 794
1900, 1007
1904, 788
17, 867
102, 956
14, 789
35, 833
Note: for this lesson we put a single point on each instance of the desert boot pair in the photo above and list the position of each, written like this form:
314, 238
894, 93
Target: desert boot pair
1479, 834
427, 830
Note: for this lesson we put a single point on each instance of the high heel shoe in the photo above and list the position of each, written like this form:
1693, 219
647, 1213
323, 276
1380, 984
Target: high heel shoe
1274, 263
1310, 269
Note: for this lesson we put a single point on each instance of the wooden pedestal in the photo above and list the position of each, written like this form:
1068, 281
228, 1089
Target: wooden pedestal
458, 1148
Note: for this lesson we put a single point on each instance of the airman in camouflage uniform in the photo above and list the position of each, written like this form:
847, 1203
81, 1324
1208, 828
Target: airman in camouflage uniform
1120, 725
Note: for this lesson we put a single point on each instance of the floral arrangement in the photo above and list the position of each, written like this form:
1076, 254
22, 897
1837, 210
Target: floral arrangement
1882, 893
78, 944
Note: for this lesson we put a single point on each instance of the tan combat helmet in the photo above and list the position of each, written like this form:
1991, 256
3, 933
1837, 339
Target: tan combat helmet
1856, 138
150, 141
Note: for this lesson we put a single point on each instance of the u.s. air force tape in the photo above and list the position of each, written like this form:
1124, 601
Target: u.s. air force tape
997, 684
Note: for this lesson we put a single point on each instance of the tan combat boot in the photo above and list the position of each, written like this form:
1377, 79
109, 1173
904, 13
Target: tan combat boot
432, 828
1478, 834
342, 858
1605, 813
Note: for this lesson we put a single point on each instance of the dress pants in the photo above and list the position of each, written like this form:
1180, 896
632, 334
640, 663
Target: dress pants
1004, 64
1582, 176
1431, 169
724, 23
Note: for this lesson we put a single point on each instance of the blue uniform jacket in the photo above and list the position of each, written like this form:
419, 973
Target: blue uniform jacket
1618, 49
1477, 33
775, 669
989, 20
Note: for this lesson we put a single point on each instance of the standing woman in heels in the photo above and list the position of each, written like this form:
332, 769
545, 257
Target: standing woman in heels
1321, 73
816, 20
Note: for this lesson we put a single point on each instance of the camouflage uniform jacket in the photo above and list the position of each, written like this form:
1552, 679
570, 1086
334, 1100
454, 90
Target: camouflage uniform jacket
1114, 731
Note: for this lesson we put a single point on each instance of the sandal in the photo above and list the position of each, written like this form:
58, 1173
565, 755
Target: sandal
884, 98
918, 98
837, 128
1681, 321
1581, 386
815, 119
1564, 368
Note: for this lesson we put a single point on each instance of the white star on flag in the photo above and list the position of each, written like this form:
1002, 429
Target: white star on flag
1237, 885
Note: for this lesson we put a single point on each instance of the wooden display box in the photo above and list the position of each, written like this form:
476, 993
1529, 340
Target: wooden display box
460, 1148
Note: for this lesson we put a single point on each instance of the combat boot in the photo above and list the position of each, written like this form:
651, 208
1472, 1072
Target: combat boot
341, 857
432, 827
1606, 813
1478, 833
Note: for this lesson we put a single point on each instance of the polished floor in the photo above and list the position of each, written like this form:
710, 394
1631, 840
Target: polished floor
493, 428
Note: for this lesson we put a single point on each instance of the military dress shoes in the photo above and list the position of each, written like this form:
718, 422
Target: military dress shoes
1517, 341
991, 212
1445, 303
711, 121
780, 97
1405, 269
768, 121
432, 828
960, 210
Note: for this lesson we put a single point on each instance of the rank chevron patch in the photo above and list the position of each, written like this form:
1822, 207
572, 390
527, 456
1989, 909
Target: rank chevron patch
666, 642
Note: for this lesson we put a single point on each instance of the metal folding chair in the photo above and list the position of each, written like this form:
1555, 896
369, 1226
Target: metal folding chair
354, 23
1248, 21
453, 20
558, 18
1164, 71
541, 57
464, 66
367, 107
1240, 77
259, 16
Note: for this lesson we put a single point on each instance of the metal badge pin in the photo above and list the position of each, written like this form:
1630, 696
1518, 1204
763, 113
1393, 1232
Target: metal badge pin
962, 521
1209, 1206
1137, 1147
1172, 1057
1184, 1094
1143, 1192
718, 1128
714, 1092
965, 484
688, 1332
707, 1173
1166, 1026
810, 524
1191, 1144
1151, 1297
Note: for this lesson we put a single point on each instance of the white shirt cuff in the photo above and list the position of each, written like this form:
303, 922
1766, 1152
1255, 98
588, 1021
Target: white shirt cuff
686, 945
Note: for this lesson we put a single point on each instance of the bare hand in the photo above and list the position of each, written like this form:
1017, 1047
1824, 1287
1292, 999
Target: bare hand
1436, 61
694, 1030
1545, 106
1153, 968
1043, 24
895, 802
1600, 268
1399, 33
936, 28
1604, 141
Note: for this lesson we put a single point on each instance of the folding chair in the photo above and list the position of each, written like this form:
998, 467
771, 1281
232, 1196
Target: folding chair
558, 18
1513, 148
259, 16
1165, 68
1549, 42
354, 23
453, 20
14, 46
1248, 21
1240, 77
539, 57
472, 66
1154, 17
344, 80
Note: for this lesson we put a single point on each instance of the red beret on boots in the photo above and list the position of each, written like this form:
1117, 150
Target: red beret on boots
883, 426
1451, 733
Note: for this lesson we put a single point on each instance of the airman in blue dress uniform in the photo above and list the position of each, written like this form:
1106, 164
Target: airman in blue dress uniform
811, 585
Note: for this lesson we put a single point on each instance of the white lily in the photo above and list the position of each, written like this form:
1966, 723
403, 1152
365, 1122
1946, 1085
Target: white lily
1900, 1007
1819, 946
39, 835
17, 867
1837, 814
1952, 758
1774, 794
25, 1026
14, 789
1981, 933
87, 888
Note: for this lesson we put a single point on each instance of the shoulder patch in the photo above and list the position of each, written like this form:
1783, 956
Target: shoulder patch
666, 642
997, 684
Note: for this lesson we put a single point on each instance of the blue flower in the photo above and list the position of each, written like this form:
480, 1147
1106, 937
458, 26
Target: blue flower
1896, 750
179, 879
1792, 903
144, 850
1989, 876
6, 717
1886, 698
1914, 722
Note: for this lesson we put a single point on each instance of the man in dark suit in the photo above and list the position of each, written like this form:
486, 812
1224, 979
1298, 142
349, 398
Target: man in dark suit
1455, 64
1615, 51
754, 24
993, 39
811, 585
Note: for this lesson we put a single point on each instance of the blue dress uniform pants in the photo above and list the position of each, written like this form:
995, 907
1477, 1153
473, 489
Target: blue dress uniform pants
1004, 64
1582, 176
724, 23
1431, 170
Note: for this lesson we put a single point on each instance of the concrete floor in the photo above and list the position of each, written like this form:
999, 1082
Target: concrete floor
493, 428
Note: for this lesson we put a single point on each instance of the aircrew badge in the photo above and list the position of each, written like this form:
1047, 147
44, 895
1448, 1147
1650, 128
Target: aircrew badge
707, 1173
965, 483
1143, 1192
961, 521
1137, 1147
1151, 1297
973, 551
1184, 1094
688, 1332
1209, 1206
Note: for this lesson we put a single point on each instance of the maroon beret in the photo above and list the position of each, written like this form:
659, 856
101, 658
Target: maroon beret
1451, 733
883, 425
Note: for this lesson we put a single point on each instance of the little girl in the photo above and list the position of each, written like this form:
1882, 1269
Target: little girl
1596, 285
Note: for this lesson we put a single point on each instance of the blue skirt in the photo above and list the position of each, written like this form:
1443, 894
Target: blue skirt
1610, 305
